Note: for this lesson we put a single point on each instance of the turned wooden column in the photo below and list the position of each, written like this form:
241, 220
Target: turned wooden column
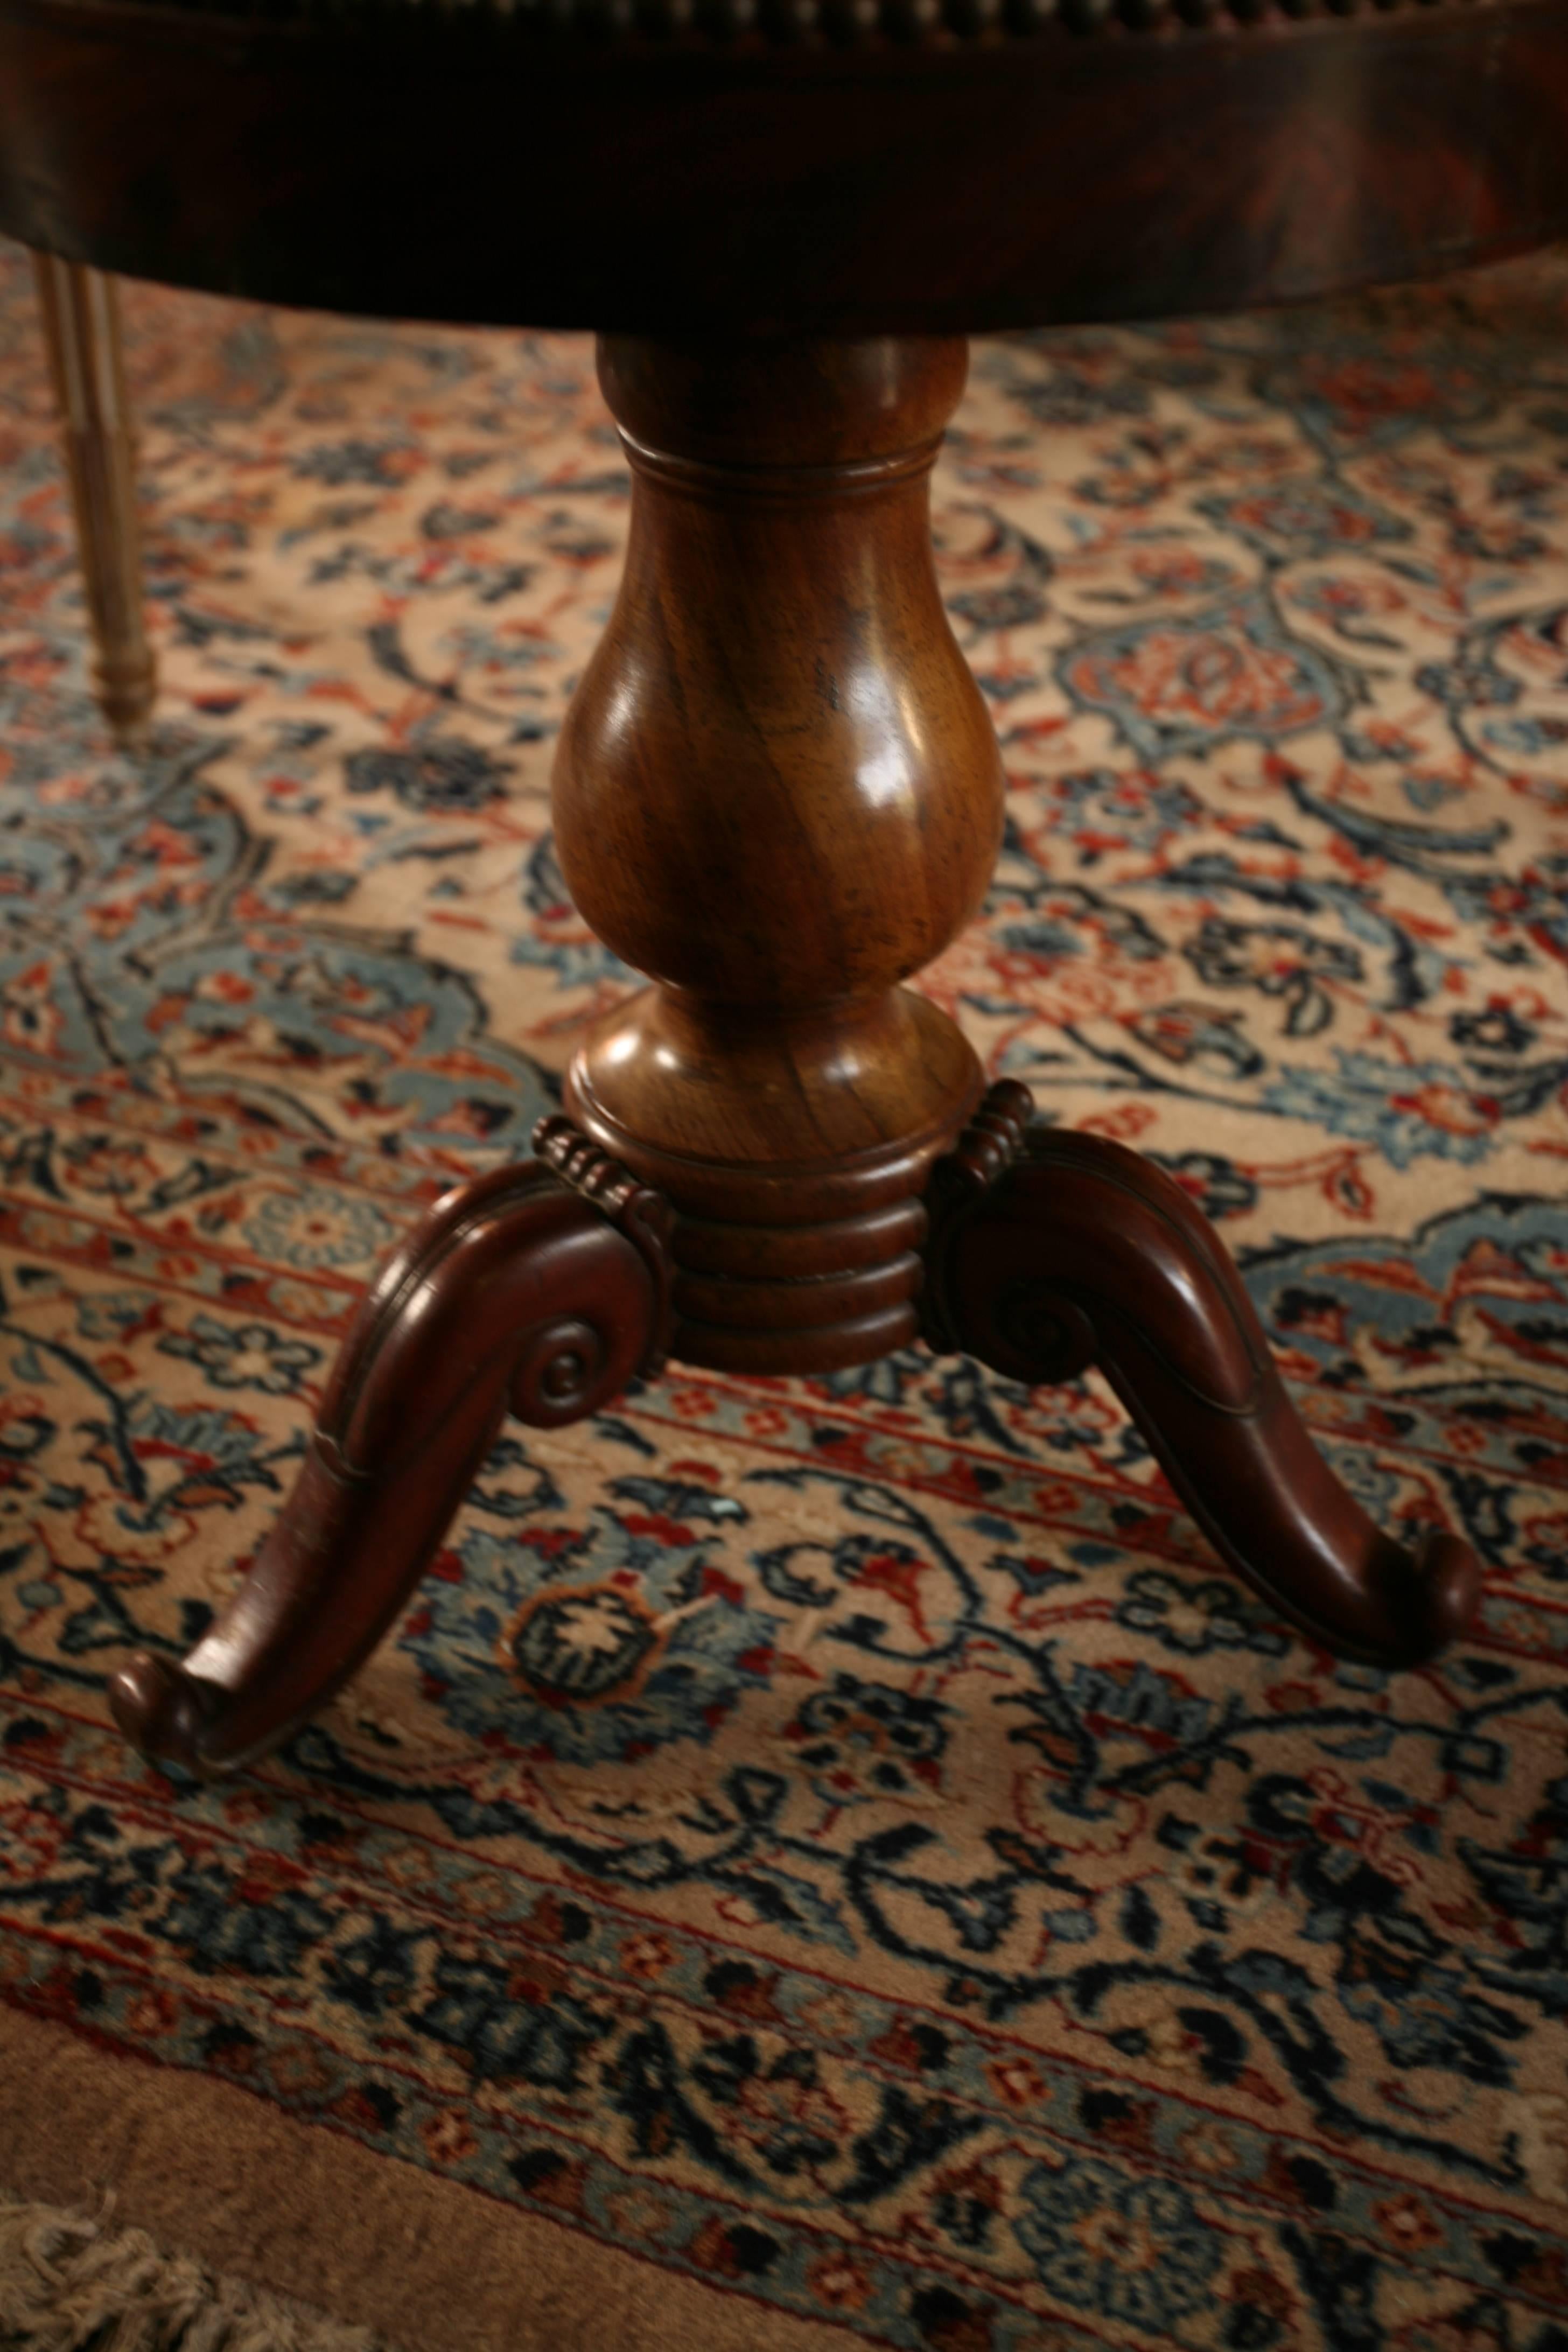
778, 793
81, 328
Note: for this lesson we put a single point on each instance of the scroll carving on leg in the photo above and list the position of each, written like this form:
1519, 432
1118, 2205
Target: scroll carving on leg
1052, 1250
542, 1289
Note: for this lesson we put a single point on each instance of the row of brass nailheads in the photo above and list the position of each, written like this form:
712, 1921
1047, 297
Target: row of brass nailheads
924, 20
839, 22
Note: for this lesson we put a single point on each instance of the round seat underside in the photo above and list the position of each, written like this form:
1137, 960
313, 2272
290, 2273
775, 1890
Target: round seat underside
476, 166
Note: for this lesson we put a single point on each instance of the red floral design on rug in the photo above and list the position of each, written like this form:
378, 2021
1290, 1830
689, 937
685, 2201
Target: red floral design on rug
843, 1840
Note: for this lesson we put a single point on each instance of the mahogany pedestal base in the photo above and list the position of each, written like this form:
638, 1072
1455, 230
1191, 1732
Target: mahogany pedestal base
777, 793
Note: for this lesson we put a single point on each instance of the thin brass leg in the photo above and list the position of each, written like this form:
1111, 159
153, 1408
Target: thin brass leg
82, 324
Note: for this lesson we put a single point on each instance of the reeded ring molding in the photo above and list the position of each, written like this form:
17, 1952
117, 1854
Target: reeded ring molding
699, 478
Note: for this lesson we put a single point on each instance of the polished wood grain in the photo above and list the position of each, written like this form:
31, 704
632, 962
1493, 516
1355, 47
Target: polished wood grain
1054, 1251
790, 177
80, 312
538, 1290
778, 793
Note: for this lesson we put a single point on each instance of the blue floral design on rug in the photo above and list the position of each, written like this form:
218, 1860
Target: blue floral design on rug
847, 1840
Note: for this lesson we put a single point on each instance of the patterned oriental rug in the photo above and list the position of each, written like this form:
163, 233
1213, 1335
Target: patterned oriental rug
821, 1861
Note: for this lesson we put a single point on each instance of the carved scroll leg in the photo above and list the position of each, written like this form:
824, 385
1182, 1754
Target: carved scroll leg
81, 326
515, 1292
1081, 1251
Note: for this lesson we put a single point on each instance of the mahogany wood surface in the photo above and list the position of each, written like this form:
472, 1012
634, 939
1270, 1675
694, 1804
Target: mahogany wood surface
1054, 1251
519, 1292
794, 165
80, 310
778, 793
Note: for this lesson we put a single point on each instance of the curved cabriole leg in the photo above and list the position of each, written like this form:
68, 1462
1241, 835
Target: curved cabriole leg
521, 1292
1052, 1251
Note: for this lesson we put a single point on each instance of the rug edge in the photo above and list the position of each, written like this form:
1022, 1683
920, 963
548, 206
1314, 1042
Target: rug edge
69, 2274
309, 2215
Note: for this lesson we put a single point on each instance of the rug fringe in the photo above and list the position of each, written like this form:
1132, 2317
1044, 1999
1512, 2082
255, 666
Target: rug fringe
71, 2282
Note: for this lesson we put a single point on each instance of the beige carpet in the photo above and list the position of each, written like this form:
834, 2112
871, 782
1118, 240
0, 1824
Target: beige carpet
72, 2282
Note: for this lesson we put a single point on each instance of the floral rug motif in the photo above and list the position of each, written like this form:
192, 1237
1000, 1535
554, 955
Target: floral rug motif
843, 1840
